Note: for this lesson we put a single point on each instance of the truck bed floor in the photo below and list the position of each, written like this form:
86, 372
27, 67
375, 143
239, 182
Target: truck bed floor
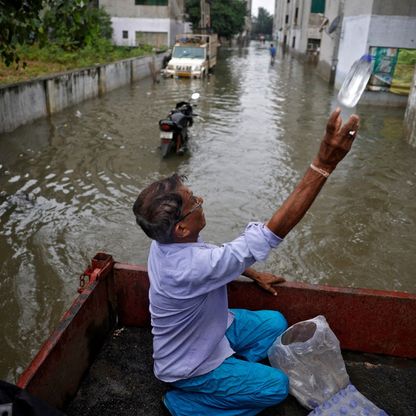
121, 381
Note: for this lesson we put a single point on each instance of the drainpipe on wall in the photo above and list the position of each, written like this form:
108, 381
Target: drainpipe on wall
333, 71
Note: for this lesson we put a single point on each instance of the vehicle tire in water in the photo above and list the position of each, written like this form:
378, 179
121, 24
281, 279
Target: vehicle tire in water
164, 149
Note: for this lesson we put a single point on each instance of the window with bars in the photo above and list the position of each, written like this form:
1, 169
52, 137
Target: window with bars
318, 6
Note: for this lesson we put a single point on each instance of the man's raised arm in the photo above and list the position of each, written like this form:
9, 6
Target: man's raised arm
335, 145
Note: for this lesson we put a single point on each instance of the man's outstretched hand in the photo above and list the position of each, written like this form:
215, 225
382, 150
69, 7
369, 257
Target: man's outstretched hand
267, 280
264, 279
337, 141
335, 145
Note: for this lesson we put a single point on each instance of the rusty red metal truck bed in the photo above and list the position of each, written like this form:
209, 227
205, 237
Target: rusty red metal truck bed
376, 331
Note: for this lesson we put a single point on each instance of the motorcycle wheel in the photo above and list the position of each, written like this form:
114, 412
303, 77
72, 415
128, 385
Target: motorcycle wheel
165, 148
184, 139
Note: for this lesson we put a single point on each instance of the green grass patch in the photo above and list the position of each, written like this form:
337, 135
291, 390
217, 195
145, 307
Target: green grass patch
51, 59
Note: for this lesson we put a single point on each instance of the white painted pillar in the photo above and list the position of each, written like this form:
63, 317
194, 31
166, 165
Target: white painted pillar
410, 115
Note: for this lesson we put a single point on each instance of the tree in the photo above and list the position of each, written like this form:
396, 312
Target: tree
67, 24
75, 24
227, 18
193, 9
263, 23
20, 22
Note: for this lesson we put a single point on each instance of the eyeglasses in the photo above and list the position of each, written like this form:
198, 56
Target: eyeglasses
198, 205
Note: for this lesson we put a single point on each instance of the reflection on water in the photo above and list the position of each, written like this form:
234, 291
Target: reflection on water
67, 185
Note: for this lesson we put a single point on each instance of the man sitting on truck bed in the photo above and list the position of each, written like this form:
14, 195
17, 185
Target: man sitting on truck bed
206, 352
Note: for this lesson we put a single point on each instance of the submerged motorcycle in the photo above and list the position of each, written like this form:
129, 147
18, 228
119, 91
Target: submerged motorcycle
174, 128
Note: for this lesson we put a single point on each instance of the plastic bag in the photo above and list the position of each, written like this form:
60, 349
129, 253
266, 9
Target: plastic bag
309, 353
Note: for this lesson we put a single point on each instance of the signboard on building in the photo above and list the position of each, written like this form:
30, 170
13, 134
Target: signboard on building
393, 69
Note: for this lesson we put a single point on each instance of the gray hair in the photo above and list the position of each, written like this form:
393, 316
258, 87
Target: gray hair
158, 208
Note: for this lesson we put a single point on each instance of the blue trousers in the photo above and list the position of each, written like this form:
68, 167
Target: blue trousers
239, 386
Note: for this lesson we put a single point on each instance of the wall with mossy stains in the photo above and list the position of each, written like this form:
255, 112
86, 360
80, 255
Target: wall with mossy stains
27, 101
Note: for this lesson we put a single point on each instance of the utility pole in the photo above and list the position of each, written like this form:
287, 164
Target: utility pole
338, 31
205, 22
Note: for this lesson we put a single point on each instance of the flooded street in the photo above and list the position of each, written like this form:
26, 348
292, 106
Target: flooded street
67, 185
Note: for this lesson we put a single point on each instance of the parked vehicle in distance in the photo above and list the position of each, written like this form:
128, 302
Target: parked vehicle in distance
193, 56
174, 129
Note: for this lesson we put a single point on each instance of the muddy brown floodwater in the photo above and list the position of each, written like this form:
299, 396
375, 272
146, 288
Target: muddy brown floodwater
67, 185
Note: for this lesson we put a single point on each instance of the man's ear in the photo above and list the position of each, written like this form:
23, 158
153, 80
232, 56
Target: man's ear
181, 231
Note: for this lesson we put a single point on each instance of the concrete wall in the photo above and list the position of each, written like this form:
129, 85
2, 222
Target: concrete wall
133, 25
303, 22
176, 28
290, 29
301, 26
21, 103
395, 8
353, 44
127, 8
410, 115
70, 88
126, 16
329, 43
365, 31
358, 7
393, 31
280, 27
365, 23
364, 26
27, 101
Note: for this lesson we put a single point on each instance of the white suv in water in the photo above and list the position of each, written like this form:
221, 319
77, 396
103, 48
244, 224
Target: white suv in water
192, 56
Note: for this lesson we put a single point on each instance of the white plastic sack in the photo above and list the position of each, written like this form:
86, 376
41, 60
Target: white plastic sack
309, 353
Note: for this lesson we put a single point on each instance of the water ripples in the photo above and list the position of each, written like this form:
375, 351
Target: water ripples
67, 185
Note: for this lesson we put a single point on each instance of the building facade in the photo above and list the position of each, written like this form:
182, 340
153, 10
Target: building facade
246, 35
153, 22
296, 26
385, 29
